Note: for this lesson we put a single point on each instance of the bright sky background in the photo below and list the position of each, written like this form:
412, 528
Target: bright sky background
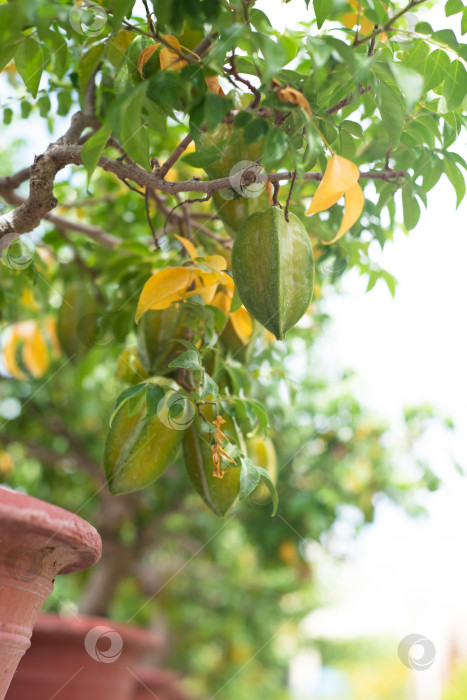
406, 576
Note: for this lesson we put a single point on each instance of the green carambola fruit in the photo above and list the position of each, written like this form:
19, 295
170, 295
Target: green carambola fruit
273, 269
231, 206
218, 494
138, 451
156, 330
77, 322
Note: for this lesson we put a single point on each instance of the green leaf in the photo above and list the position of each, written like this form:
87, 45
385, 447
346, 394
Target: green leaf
155, 117
446, 36
59, 49
215, 109
275, 148
390, 281
410, 207
120, 8
133, 136
255, 130
154, 396
409, 82
249, 477
64, 103
202, 158
321, 8
392, 112
453, 7
125, 396
455, 85
93, 148
210, 388
259, 412
268, 481
455, 177
7, 115
436, 68
464, 22
6, 54
86, 68
29, 63
188, 360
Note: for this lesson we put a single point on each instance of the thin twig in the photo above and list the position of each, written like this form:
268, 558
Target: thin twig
148, 217
371, 48
275, 194
286, 210
182, 146
346, 101
387, 26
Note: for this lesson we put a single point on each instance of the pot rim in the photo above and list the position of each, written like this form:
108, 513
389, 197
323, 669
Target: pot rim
63, 626
27, 515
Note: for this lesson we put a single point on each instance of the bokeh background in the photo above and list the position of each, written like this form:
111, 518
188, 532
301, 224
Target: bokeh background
369, 423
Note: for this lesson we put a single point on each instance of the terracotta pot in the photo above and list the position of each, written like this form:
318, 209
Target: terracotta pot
37, 542
158, 683
83, 658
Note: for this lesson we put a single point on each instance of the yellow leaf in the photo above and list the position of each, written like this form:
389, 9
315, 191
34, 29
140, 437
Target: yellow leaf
163, 288
295, 97
215, 262
144, 57
354, 202
340, 175
9, 356
51, 328
6, 463
242, 324
29, 300
36, 353
366, 26
188, 245
208, 292
212, 81
171, 59
223, 302
349, 20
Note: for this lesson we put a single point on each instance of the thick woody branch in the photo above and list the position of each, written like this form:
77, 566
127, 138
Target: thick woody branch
66, 151
62, 223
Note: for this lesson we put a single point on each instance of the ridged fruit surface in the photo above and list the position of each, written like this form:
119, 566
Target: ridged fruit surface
155, 331
232, 150
273, 269
77, 320
218, 494
138, 451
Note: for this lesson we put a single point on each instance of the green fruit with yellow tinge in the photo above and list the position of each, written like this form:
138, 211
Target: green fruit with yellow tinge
218, 494
273, 269
139, 450
77, 321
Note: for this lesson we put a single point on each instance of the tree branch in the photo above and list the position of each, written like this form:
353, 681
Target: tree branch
182, 146
66, 151
387, 26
